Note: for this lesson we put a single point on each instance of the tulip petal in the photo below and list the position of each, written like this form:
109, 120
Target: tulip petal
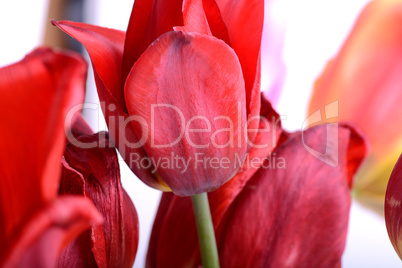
365, 76
35, 96
393, 209
300, 214
267, 138
244, 21
115, 242
215, 21
284, 216
45, 235
194, 18
189, 81
105, 47
149, 20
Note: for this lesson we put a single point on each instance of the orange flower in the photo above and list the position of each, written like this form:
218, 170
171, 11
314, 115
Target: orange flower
365, 77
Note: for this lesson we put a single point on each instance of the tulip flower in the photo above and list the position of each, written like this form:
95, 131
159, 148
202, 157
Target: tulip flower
393, 209
365, 78
290, 214
35, 95
94, 173
182, 82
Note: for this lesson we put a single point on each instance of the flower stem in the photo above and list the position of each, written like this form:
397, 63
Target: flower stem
205, 228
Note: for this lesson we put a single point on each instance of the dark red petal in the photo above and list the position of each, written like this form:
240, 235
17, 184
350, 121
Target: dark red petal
393, 208
48, 231
293, 214
149, 20
35, 96
244, 20
183, 77
105, 47
194, 19
174, 241
115, 242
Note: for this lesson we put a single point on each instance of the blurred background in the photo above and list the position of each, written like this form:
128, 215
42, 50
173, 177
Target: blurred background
315, 30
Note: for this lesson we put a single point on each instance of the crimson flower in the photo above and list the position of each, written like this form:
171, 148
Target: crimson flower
292, 211
94, 173
393, 208
183, 67
365, 79
35, 95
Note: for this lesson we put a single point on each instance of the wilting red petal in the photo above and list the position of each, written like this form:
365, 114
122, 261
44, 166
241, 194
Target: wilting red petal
289, 213
299, 213
105, 47
366, 76
35, 96
194, 18
97, 173
244, 20
149, 20
189, 81
393, 208
48, 231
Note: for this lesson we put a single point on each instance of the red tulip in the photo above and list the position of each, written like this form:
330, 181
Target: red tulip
365, 77
35, 95
95, 173
183, 67
393, 209
292, 212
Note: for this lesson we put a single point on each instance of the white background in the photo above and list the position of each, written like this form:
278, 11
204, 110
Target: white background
315, 31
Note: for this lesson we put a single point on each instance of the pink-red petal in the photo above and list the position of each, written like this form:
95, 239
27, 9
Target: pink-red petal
187, 81
194, 18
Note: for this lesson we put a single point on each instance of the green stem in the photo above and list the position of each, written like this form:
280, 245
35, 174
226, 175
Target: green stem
205, 228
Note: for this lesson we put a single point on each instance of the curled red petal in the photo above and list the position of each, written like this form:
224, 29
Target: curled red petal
393, 208
35, 96
189, 81
115, 242
149, 20
105, 47
48, 231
